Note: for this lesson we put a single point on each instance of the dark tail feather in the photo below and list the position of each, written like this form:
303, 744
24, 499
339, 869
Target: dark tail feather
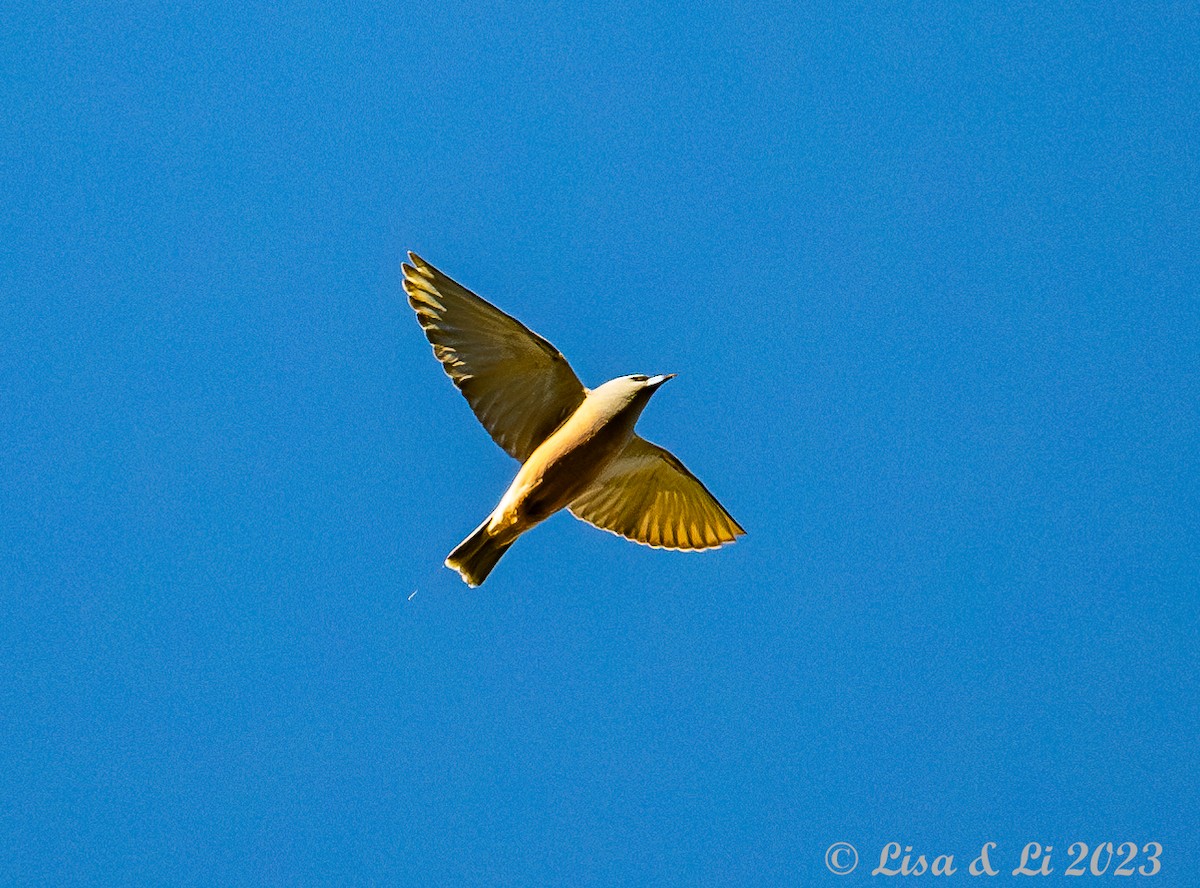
475, 556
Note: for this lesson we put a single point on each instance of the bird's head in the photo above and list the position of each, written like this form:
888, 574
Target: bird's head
631, 387
627, 393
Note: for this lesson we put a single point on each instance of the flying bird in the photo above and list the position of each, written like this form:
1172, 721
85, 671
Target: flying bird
577, 447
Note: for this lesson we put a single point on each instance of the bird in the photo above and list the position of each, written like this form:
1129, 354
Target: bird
577, 447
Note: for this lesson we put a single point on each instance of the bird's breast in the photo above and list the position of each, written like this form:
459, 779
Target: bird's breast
565, 464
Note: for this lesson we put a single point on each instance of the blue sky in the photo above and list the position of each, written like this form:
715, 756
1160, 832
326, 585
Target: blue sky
929, 277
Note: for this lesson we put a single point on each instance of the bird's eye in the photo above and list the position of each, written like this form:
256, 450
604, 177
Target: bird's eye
639, 378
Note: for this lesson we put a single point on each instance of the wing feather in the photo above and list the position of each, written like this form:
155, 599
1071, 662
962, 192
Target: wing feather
519, 386
648, 496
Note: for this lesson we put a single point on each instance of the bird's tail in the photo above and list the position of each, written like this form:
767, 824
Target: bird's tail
475, 556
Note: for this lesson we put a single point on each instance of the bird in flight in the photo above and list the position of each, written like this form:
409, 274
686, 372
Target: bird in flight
577, 447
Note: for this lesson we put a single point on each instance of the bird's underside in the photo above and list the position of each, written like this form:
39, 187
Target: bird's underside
526, 395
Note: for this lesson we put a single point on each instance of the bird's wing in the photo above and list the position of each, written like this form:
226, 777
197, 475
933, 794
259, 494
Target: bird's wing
647, 495
519, 385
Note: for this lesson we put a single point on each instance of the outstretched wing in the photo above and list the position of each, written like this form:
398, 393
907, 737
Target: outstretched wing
519, 385
648, 496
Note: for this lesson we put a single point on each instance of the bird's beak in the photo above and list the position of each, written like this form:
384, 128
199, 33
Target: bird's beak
656, 381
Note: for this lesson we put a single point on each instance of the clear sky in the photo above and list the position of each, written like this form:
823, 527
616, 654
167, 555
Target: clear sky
928, 274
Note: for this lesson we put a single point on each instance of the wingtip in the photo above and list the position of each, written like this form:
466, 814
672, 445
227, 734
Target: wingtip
414, 273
